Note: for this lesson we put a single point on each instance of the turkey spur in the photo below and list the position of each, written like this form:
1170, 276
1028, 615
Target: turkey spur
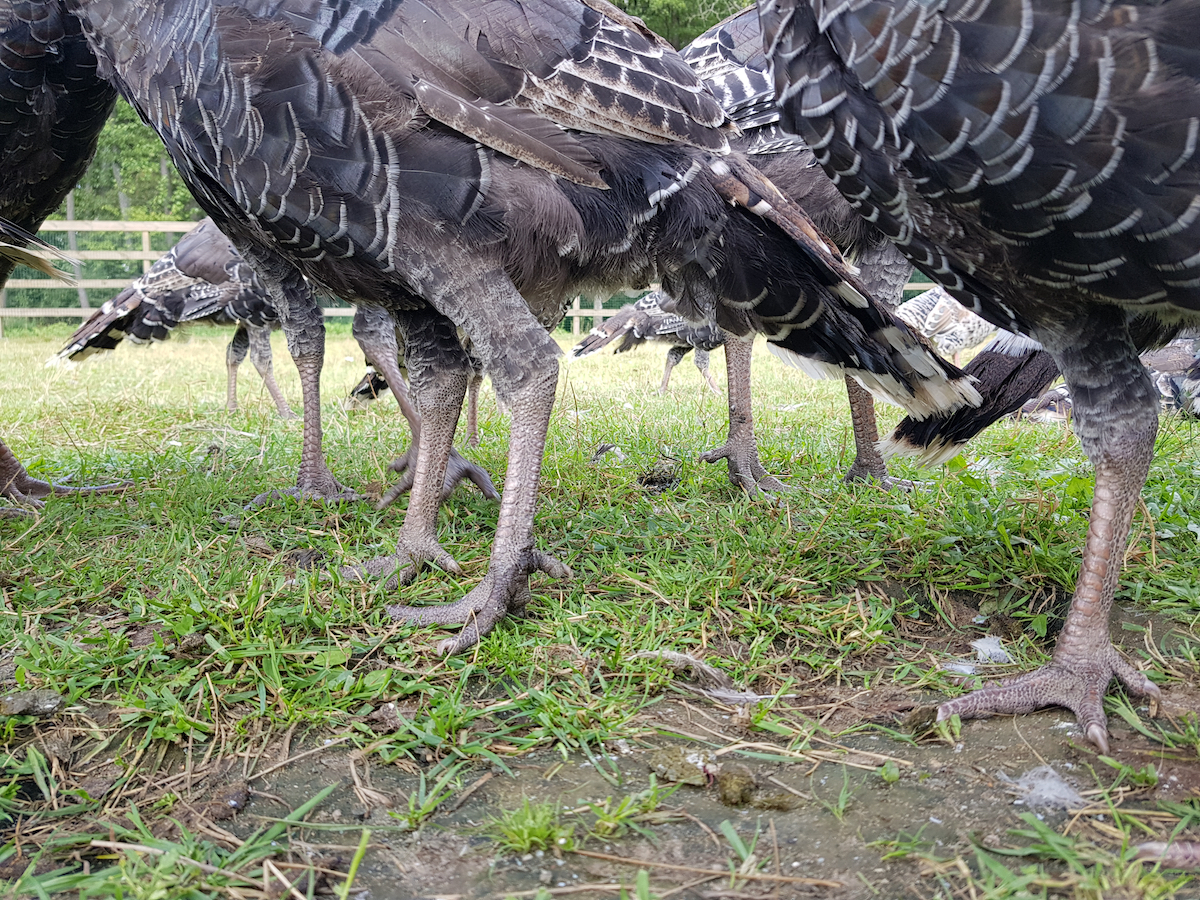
1038, 159
469, 166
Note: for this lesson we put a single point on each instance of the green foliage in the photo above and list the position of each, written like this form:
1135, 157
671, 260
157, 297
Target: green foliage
680, 21
132, 161
529, 827
193, 633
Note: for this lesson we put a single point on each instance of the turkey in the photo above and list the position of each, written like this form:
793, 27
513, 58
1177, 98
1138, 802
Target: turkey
730, 59
1174, 370
201, 279
469, 166
1036, 158
951, 326
646, 320
377, 336
52, 108
204, 279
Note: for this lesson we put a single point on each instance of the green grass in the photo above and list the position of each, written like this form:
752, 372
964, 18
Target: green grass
191, 634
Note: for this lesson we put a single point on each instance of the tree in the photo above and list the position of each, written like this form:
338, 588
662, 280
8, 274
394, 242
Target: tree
131, 176
681, 21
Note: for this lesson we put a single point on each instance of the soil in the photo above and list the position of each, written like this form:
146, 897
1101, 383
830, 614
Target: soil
948, 796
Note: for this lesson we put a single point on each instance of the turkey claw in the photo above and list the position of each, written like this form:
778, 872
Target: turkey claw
1078, 687
28, 494
299, 493
861, 474
503, 591
405, 564
458, 467
745, 470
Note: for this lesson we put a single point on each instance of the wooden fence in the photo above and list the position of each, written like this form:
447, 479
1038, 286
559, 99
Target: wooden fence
578, 311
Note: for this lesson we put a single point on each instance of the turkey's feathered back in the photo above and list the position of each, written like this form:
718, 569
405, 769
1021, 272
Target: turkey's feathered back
52, 109
313, 132
730, 59
1010, 144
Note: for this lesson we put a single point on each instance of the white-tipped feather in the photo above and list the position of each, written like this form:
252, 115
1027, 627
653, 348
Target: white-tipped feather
810, 367
1011, 344
936, 454
850, 294
25, 256
931, 398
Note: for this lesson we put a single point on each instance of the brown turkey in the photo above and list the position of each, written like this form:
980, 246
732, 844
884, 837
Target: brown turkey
647, 321
201, 279
1038, 159
470, 166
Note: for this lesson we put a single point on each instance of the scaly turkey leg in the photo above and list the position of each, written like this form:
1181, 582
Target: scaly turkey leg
1116, 418
741, 447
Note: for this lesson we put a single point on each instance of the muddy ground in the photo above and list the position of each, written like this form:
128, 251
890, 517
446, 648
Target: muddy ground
949, 796
821, 821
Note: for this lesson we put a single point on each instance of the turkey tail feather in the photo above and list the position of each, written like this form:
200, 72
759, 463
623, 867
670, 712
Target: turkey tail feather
1010, 370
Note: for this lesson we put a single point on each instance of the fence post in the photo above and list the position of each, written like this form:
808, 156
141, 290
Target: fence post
598, 311
73, 246
146, 248
575, 308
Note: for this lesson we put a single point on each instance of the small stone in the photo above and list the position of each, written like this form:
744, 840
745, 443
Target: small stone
30, 703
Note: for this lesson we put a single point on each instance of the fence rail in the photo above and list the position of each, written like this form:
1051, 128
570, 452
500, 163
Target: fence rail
576, 313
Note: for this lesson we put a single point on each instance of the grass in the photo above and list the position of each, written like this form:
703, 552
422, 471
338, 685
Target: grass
176, 633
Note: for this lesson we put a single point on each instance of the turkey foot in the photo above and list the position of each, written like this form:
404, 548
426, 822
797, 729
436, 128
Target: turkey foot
458, 467
745, 468
868, 464
741, 448
412, 552
317, 485
1078, 684
503, 591
859, 472
29, 493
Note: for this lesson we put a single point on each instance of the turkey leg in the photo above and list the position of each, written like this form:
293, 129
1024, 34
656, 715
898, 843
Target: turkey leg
260, 355
375, 331
304, 327
235, 355
701, 360
440, 371
868, 464
741, 447
522, 361
1116, 418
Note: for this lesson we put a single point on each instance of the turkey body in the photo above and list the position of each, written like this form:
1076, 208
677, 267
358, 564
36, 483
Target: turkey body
951, 326
201, 279
646, 321
468, 167
1173, 369
729, 58
52, 109
1038, 160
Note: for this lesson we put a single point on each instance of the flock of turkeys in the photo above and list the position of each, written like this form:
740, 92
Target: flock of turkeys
460, 169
